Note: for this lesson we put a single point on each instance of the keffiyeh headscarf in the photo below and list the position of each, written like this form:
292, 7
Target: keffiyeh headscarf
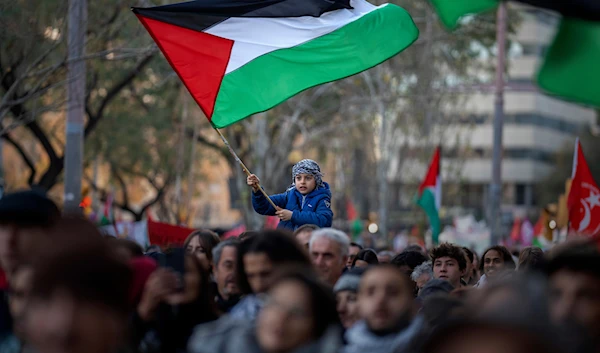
308, 166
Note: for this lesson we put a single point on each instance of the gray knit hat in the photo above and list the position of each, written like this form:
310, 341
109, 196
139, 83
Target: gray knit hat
435, 286
308, 166
349, 280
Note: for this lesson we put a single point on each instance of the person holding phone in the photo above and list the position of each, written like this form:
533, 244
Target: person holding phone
177, 297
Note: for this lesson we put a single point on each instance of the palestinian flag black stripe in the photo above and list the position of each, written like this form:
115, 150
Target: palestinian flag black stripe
201, 15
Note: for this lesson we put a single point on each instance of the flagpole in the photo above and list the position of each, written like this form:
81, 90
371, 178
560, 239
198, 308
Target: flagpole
246, 170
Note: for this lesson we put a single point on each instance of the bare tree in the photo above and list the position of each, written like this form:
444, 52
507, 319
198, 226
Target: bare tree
32, 73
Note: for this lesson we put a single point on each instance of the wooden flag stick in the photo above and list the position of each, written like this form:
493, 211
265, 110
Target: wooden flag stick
246, 170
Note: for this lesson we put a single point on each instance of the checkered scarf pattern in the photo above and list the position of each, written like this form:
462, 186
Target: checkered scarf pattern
308, 166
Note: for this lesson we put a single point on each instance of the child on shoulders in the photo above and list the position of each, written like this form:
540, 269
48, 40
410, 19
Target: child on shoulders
307, 201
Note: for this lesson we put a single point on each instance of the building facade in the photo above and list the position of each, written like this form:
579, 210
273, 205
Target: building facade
536, 126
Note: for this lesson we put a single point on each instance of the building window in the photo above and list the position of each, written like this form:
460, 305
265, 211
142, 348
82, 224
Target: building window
520, 197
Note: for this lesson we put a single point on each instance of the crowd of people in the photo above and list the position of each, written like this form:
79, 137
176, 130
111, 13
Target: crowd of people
68, 289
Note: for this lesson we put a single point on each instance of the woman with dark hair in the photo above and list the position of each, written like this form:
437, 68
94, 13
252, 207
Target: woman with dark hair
496, 263
299, 315
257, 258
172, 305
531, 258
200, 243
364, 258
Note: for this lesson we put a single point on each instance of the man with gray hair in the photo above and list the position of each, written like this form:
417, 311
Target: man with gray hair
329, 252
422, 274
224, 267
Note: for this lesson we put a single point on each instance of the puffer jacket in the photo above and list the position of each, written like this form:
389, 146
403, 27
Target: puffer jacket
314, 208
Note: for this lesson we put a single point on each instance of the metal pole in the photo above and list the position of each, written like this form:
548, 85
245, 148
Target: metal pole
75, 105
496, 185
1, 167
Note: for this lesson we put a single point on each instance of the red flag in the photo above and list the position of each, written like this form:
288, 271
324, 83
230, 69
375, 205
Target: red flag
584, 197
167, 234
271, 222
433, 175
351, 210
515, 233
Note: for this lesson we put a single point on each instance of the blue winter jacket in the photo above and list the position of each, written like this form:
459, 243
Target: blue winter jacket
314, 208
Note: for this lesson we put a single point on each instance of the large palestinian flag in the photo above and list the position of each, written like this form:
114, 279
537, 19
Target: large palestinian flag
238, 58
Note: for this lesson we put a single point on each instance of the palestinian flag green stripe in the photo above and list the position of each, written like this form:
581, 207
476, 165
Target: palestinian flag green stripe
427, 202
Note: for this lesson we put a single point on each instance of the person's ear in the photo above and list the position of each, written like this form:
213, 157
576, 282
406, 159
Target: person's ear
344, 260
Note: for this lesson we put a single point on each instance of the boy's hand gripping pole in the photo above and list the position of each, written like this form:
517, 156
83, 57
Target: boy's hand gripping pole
244, 166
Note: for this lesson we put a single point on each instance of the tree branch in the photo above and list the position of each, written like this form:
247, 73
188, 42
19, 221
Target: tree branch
138, 99
112, 93
103, 192
122, 184
159, 194
23, 155
189, 132
19, 110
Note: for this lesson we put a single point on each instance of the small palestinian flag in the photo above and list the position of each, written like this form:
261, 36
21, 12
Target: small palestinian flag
430, 195
238, 58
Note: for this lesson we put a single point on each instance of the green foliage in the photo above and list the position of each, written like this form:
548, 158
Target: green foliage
133, 101
32, 46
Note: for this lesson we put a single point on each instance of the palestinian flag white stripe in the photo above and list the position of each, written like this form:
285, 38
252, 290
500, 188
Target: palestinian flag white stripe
254, 37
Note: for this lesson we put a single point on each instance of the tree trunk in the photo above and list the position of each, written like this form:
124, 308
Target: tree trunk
382, 170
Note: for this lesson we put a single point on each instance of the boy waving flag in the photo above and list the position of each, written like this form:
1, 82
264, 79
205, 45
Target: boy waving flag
240, 58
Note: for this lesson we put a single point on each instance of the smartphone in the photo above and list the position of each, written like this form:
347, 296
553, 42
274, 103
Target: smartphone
174, 259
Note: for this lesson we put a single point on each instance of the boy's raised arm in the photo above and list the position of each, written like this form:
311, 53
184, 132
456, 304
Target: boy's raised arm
262, 206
